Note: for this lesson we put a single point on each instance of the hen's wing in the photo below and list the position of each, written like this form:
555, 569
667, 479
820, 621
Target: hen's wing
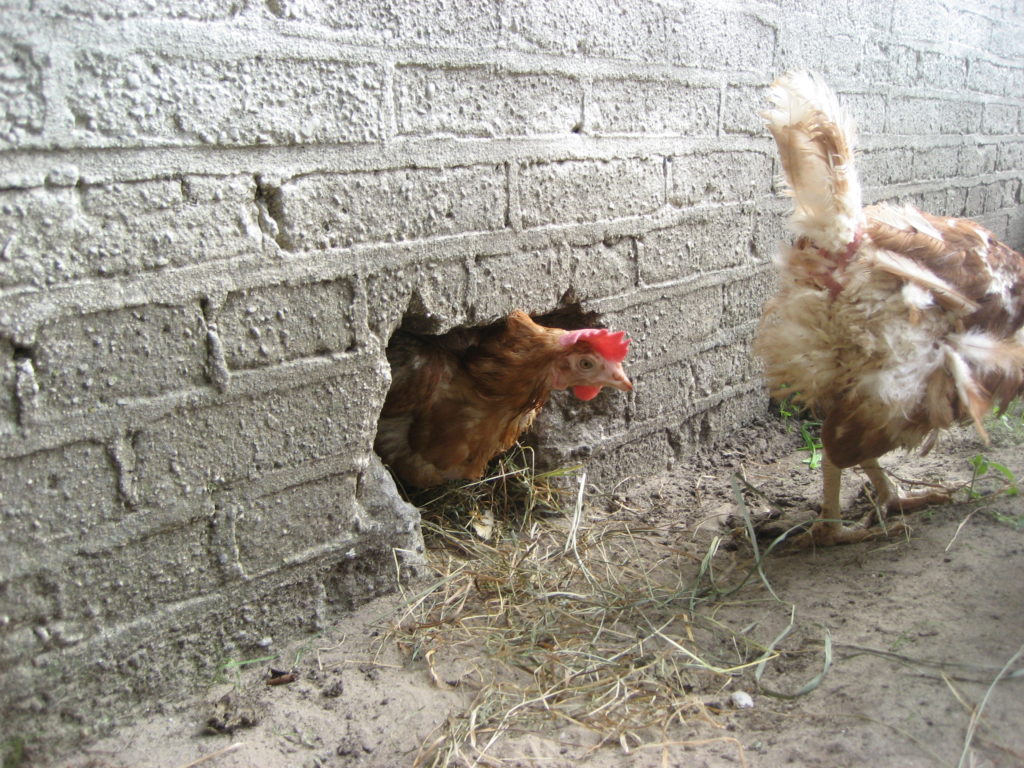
979, 282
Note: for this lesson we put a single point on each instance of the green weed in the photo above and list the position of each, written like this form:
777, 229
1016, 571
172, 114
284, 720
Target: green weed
14, 752
230, 671
794, 415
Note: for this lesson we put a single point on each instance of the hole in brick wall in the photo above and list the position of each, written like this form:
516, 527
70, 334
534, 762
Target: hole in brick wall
413, 442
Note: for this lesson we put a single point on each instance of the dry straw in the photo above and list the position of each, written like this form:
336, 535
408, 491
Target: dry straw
571, 617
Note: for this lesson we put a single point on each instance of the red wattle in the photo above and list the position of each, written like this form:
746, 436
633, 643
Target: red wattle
585, 392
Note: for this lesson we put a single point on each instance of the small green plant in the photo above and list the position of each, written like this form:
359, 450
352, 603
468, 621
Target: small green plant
984, 468
230, 671
1008, 422
810, 429
14, 752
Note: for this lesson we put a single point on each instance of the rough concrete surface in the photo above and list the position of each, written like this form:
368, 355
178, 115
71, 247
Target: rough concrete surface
213, 216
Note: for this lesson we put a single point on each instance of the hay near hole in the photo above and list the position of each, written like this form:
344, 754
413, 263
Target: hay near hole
569, 620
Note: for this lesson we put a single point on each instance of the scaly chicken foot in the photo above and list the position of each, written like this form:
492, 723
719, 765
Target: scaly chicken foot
828, 530
889, 498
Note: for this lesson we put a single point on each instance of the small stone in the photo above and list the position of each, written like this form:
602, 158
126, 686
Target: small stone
741, 700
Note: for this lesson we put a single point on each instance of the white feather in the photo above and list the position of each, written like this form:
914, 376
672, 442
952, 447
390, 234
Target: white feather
905, 217
984, 352
961, 373
917, 297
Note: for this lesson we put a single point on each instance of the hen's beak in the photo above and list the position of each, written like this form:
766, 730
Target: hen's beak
618, 378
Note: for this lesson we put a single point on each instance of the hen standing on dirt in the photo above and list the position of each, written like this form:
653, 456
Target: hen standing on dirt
890, 324
456, 402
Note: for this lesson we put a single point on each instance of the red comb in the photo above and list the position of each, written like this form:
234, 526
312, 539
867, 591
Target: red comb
611, 345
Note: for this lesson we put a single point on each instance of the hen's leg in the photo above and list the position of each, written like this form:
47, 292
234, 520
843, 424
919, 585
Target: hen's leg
890, 499
828, 528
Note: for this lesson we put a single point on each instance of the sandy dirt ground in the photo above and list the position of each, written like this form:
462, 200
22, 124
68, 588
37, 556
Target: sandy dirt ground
911, 632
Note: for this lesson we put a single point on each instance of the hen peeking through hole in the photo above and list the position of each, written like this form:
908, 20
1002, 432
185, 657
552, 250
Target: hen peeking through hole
458, 400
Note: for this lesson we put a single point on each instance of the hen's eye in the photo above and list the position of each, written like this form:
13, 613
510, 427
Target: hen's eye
586, 364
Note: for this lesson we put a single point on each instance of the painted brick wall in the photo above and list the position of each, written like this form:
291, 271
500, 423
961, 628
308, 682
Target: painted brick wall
214, 213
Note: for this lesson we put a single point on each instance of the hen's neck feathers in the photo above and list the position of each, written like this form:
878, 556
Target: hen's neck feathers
515, 365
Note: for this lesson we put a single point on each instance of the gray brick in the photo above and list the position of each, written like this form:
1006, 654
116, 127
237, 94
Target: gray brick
923, 20
425, 22
147, 99
1011, 156
987, 77
106, 357
26, 602
272, 528
917, 116
137, 577
868, 111
21, 95
705, 242
328, 210
990, 198
498, 285
654, 389
888, 64
484, 102
639, 458
713, 37
978, 159
618, 29
263, 326
730, 415
648, 106
955, 203
742, 299
741, 110
58, 495
17, 645
1006, 36
939, 70
716, 177
1001, 118
771, 227
592, 271
886, 166
440, 23
56, 235
190, 453
935, 201
1003, 195
970, 28
1015, 230
997, 223
604, 269
202, 10
590, 190
812, 41
430, 293
725, 366
569, 420
8, 404
936, 163
660, 325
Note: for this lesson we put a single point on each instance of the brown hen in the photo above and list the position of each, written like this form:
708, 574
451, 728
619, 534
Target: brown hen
890, 324
457, 401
